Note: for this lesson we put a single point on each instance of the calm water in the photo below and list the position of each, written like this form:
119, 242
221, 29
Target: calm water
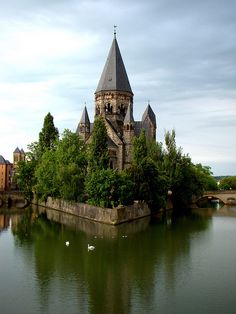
182, 265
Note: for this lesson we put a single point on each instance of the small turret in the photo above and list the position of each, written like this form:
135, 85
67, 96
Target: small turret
149, 122
128, 134
83, 128
18, 155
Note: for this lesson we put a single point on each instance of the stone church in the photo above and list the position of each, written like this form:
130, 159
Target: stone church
114, 102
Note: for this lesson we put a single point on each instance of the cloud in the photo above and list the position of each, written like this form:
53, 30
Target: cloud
180, 55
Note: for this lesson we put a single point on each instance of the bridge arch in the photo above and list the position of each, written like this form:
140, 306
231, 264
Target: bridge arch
212, 197
226, 197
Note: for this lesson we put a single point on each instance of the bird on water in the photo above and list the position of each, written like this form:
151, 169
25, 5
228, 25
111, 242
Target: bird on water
91, 247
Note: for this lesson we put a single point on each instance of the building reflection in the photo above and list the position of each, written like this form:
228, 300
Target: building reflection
4, 222
126, 261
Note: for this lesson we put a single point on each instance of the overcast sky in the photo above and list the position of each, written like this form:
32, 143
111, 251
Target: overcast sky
179, 54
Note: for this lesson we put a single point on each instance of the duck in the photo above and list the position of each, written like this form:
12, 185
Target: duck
67, 243
91, 247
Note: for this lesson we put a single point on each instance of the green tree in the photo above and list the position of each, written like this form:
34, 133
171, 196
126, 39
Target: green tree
25, 172
205, 175
62, 171
48, 135
109, 188
25, 178
46, 176
140, 149
98, 149
149, 181
228, 183
185, 180
71, 166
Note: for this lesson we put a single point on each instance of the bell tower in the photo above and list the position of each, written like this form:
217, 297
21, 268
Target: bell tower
113, 94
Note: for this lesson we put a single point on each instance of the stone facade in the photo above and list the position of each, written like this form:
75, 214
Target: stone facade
114, 102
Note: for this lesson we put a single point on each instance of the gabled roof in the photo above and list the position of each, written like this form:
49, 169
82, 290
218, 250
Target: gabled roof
149, 113
114, 76
129, 115
85, 117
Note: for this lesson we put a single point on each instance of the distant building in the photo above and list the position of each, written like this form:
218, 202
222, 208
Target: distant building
18, 155
114, 102
5, 174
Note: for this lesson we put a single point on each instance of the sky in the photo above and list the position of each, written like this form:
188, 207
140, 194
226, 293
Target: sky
179, 54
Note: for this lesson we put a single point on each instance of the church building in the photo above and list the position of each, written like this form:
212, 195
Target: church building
114, 102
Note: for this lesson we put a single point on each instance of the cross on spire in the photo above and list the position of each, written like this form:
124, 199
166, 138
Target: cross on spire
115, 31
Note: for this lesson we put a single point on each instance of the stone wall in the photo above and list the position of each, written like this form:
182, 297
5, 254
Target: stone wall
111, 216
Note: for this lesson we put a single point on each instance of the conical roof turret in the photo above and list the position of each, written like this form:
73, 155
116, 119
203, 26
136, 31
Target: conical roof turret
17, 150
85, 117
114, 76
129, 115
149, 113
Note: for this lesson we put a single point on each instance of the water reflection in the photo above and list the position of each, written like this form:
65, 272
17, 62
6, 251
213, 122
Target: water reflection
124, 266
4, 222
136, 267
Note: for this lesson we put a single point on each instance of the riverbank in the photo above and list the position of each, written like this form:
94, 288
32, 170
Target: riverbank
112, 216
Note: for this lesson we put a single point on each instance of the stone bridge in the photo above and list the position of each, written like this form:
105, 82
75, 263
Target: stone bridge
12, 199
226, 197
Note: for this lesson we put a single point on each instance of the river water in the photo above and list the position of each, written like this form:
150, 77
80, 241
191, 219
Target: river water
169, 265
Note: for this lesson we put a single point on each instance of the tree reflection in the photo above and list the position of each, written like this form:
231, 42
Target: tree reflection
127, 259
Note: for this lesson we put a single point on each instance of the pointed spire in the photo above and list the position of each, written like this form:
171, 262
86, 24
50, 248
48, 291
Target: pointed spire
17, 150
85, 117
129, 116
149, 113
114, 76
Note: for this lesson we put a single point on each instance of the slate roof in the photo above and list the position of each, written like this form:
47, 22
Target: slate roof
129, 115
149, 113
114, 76
16, 151
138, 127
85, 117
2, 160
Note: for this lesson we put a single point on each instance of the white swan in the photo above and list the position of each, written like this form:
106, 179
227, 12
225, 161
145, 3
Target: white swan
67, 243
91, 247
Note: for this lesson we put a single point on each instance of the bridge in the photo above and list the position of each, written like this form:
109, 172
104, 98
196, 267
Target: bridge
12, 199
226, 197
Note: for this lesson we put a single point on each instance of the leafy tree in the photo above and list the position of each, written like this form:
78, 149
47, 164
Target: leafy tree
25, 172
71, 166
205, 175
98, 150
140, 149
185, 180
25, 178
48, 135
46, 176
228, 183
149, 182
109, 188
61, 172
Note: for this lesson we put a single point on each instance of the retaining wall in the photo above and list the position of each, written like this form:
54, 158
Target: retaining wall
111, 216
